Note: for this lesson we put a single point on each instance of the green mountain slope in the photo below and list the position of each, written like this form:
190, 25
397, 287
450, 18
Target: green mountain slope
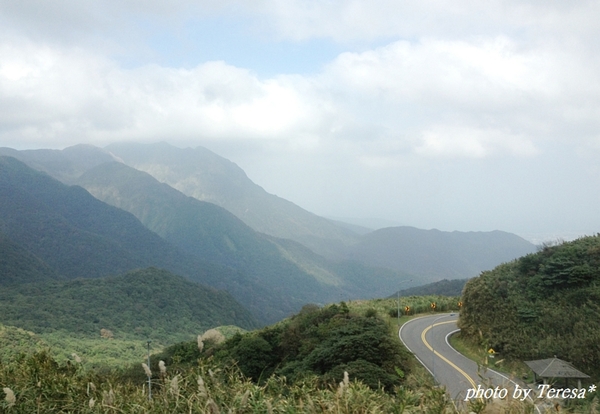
70, 230
432, 254
15, 341
204, 175
148, 303
17, 265
284, 267
539, 306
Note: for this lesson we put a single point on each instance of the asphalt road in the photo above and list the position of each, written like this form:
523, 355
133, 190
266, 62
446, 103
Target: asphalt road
426, 337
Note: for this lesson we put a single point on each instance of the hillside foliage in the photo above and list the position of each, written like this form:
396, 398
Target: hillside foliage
147, 303
542, 305
321, 342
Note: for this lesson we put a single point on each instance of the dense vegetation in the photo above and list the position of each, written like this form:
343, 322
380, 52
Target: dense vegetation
542, 305
149, 303
208, 381
15, 341
316, 342
37, 383
322, 360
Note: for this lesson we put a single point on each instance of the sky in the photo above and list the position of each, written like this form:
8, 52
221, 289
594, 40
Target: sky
456, 115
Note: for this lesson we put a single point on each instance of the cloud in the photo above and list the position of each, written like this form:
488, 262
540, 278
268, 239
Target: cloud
433, 97
49, 93
450, 141
359, 20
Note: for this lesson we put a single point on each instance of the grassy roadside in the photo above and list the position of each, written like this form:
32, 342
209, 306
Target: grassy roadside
512, 368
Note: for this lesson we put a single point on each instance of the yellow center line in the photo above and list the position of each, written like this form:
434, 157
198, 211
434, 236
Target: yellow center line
443, 357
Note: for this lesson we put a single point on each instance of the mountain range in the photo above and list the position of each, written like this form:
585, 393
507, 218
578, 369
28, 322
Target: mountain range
106, 211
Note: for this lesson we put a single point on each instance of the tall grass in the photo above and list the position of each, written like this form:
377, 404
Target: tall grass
38, 384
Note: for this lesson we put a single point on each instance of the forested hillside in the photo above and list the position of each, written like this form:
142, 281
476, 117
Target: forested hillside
148, 303
73, 232
322, 342
542, 305
17, 265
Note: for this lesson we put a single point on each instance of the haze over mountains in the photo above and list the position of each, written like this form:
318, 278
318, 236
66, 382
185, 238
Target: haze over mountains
198, 215
204, 175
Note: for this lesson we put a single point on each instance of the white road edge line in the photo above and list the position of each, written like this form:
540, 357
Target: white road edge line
488, 369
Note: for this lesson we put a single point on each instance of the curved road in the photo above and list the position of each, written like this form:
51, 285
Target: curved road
427, 338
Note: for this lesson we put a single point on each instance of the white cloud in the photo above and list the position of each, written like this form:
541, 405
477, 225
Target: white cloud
49, 93
434, 97
450, 141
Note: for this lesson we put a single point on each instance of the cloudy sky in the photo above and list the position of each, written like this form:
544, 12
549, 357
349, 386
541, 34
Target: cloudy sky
457, 115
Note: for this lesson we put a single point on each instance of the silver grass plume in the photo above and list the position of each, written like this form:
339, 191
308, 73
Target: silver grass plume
200, 343
245, 398
163, 368
343, 384
201, 388
212, 406
108, 398
76, 358
147, 370
10, 396
214, 336
174, 386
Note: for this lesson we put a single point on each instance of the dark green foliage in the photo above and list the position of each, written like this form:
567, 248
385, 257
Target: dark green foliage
255, 357
541, 305
150, 303
324, 342
369, 373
